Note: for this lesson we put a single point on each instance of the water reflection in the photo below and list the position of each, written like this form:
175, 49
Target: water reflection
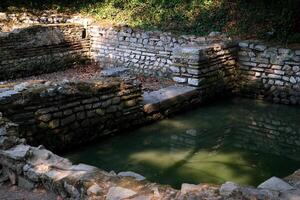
239, 140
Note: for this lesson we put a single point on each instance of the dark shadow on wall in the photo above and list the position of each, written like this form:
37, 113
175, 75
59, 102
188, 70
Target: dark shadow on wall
42, 49
247, 144
268, 76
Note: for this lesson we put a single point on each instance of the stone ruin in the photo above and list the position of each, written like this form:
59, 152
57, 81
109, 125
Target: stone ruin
66, 113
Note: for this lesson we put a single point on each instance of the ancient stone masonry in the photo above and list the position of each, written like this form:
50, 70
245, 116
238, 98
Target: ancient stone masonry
212, 68
42, 48
267, 132
269, 72
146, 52
60, 115
30, 167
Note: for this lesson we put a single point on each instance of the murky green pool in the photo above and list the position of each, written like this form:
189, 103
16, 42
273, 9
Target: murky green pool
238, 140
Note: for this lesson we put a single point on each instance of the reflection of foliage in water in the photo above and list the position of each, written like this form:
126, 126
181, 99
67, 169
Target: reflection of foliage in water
209, 144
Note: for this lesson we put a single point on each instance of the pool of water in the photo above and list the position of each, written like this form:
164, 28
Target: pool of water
240, 140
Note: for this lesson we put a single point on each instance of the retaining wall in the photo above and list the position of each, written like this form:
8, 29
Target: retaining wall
269, 72
42, 48
146, 52
30, 167
62, 115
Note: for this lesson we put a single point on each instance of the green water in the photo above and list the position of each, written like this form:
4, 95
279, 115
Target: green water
238, 140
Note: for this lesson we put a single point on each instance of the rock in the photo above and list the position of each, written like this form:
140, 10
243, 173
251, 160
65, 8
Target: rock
290, 195
276, 184
11, 175
21, 87
3, 16
192, 132
112, 72
260, 47
143, 197
3, 131
175, 69
18, 152
254, 193
186, 188
134, 175
25, 183
293, 80
72, 191
296, 68
94, 190
228, 188
118, 193
215, 34
243, 44
179, 79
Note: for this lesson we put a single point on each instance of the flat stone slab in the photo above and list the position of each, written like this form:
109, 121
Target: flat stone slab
118, 193
18, 152
166, 93
114, 71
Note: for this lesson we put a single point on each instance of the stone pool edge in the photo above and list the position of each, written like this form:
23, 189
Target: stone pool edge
30, 166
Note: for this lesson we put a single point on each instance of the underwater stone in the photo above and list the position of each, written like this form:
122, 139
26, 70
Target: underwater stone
134, 175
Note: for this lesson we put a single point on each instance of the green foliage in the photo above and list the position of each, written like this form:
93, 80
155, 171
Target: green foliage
267, 19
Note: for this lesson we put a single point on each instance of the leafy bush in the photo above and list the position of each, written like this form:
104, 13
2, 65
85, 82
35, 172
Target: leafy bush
267, 19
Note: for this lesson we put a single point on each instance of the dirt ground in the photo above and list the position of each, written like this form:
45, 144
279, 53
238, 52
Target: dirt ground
9, 192
89, 72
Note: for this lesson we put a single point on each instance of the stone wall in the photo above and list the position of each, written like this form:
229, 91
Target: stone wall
146, 52
42, 48
31, 167
269, 72
61, 115
268, 133
212, 69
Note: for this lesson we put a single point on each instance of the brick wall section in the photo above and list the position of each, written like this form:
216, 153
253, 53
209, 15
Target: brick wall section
42, 48
66, 114
269, 72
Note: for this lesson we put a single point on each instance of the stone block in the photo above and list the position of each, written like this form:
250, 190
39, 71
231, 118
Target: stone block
175, 69
68, 120
194, 81
118, 193
180, 79
45, 118
25, 183
53, 124
243, 44
260, 47
193, 71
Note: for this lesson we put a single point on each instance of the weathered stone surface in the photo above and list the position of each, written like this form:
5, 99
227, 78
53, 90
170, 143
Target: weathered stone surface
118, 193
73, 106
284, 72
39, 48
180, 80
134, 175
228, 189
18, 152
25, 183
276, 184
94, 190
